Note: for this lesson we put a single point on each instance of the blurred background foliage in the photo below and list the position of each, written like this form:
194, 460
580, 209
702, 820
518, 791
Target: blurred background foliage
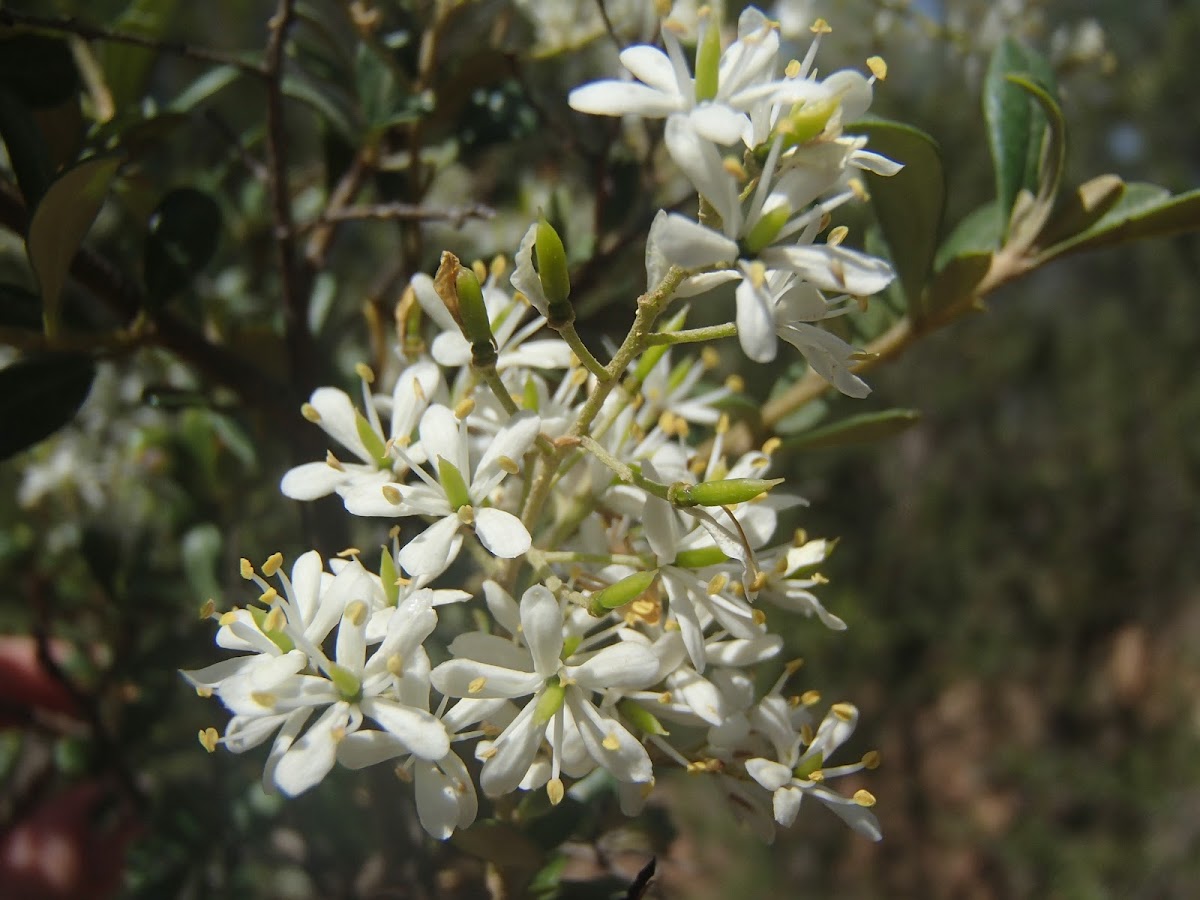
1018, 568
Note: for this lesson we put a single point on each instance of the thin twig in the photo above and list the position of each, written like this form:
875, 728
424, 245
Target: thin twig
408, 211
72, 25
253, 164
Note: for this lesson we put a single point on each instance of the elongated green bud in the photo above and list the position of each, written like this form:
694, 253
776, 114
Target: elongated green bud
550, 702
699, 558
722, 493
627, 589
553, 274
766, 229
641, 718
459, 290
453, 483
372, 441
708, 61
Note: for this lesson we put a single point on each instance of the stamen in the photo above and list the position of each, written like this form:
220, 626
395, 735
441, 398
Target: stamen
864, 798
246, 569
476, 685
272, 565
363, 371
810, 698
310, 413
208, 739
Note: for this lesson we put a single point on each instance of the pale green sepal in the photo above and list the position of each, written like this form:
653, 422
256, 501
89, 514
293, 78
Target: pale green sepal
453, 484
346, 682
388, 575
699, 558
372, 441
641, 718
550, 701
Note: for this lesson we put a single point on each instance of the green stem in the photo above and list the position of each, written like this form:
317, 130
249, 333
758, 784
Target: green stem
575, 342
693, 335
492, 379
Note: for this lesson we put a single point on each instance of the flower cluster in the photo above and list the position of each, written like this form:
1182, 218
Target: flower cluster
627, 564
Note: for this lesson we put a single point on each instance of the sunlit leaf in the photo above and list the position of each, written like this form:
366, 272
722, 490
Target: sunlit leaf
59, 223
1143, 211
1082, 208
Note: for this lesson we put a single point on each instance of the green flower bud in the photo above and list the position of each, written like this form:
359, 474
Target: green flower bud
453, 484
806, 121
388, 575
475, 325
550, 702
570, 645
708, 61
722, 493
699, 558
627, 589
641, 718
552, 272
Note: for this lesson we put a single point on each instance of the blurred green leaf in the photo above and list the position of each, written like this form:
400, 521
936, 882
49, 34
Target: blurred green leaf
858, 429
547, 883
19, 308
1082, 208
1143, 211
1054, 151
184, 230
201, 555
59, 223
203, 88
957, 280
127, 66
330, 102
978, 232
382, 98
40, 394
1016, 125
909, 204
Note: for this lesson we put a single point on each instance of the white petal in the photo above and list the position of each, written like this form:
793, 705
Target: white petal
422, 732
768, 773
427, 296
702, 164
786, 804
525, 277
876, 163
651, 65
756, 320
624, 666
608, 741
699, 694
515, 749
450, 349
456, 677
502, 606
367, 747
437, 801
414, 390
834, 268
310, 481
542, 628
719, 123
857, 817
828, 355
855, 92
339, 419
502, 533
365, 497
690, 245
442, 435
429, 553
619, 98
512, 441
311, 757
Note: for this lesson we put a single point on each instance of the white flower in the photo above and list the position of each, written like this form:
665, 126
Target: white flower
806, 773
456, 497
559, 692
333, 410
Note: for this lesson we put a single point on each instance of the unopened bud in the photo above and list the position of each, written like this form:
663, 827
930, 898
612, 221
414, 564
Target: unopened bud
627, 589
723, 493
553, 275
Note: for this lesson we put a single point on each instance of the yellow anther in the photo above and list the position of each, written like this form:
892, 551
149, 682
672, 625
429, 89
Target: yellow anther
759, 581
837, 235
574, 362
871, 759
770, 445
395, 665
246, 569
757, 273
476, 685
664, 698
275, 620
781, 566
818, 578
820, 27
611, 743
273, 564
800, 537
810, 698
487, 754
269, 596
578, 377
738, 589
735, 383
844, 711
864, 798
466, 514
227, 618
204, 692
509, 465
793, 666
391, 494
723, 423
662, 8
792, 69
671, 625
710, 358
363, 371
208, 739
310, 413
480, 270
735, 168
499, 266
356, 613
208, 609
759, 617
861, 194
464, 408
349, 553
806, 733
263, 698
878, 67
862, 303
394, 532
717, 583
555, 791
404, 773
816, 775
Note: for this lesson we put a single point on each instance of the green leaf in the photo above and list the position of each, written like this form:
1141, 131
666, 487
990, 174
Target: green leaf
1143, 211
1054, 151
201, 554
330, 102
1016, 125
40, 394
59, 223
19, 308
1081, 209
909, 204
978, 232
127, 66
855, 430
957, 280
203, 88
184, 230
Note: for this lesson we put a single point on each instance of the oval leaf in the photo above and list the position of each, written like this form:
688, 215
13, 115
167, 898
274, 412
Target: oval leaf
59, 224
39, 395
957, 280
855, 430
1143, 211
1082, 209
909, 204
183, 233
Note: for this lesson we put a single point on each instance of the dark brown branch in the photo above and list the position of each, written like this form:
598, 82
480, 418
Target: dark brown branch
392, 211
72, 25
